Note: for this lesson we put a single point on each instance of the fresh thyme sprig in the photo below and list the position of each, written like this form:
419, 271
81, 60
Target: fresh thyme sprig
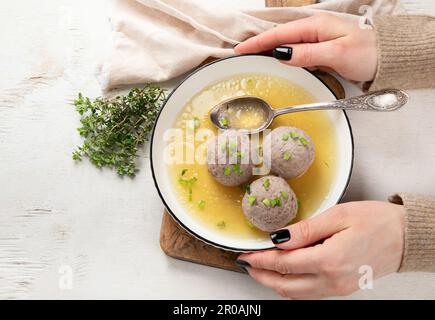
113, 129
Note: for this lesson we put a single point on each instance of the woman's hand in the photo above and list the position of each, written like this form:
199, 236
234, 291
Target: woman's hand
356, 234
321, 41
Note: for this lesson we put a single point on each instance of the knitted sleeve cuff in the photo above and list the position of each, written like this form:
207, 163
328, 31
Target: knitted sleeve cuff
406, 52
419, 249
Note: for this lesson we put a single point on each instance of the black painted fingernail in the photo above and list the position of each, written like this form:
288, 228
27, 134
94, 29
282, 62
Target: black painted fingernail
282, 53
242, 264
280, 236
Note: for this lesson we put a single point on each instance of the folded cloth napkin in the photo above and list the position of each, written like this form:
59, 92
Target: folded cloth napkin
156, 40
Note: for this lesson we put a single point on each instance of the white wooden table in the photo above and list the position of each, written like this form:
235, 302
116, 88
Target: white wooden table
59, 218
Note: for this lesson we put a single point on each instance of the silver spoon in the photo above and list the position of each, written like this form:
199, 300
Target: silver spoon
382, 100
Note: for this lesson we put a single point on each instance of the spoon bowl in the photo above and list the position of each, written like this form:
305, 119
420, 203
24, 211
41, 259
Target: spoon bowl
255, 115
224, 114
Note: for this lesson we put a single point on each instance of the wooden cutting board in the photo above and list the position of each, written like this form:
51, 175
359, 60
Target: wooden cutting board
177, 243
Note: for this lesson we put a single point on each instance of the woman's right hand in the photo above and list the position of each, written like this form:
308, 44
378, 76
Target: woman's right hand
334, 253
321, 41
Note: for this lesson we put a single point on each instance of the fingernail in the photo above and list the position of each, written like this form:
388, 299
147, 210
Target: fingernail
282, 53
242, 264
280, 236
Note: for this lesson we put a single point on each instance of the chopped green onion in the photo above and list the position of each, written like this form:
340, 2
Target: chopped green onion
196, 123
241, 154
188, 183
223, 146
275, 202
285, 136
304, 141
266, 184
247, 188
266, 202
294, 134
193, 123
284, 195
221, 224
252, 199
233, 146
223, 122
227, 170
250, 225
201, 204
286, 156
237, 169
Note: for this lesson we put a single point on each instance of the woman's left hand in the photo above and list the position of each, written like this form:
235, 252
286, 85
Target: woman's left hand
355, 234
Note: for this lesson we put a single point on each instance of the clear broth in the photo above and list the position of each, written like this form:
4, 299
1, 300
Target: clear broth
221, 208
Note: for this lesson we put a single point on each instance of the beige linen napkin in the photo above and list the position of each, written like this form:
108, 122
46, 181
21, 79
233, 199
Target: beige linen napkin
156, 40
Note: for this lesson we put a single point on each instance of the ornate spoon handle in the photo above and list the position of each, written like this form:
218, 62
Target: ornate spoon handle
382, 100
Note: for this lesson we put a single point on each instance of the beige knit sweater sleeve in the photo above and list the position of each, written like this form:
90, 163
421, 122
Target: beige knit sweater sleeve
406, 52
406, 60
419, 251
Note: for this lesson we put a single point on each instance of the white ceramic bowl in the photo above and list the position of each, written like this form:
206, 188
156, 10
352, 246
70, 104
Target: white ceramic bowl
222, 69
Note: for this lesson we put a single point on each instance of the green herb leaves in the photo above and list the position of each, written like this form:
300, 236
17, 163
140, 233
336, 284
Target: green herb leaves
285, 136
113, 129
275, 202
196, 123
266, 202
201, 204
224, 122
294, 134
286, 156
237, 169
266, 184
272, 202
232, 147
221, 224
247, 188
304, 141
252, 200
233, 168
187, 182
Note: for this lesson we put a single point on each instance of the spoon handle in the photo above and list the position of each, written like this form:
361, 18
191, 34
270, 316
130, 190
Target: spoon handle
382, 100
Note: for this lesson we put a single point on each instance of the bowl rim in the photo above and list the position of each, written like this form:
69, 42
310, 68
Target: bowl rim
174, 216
